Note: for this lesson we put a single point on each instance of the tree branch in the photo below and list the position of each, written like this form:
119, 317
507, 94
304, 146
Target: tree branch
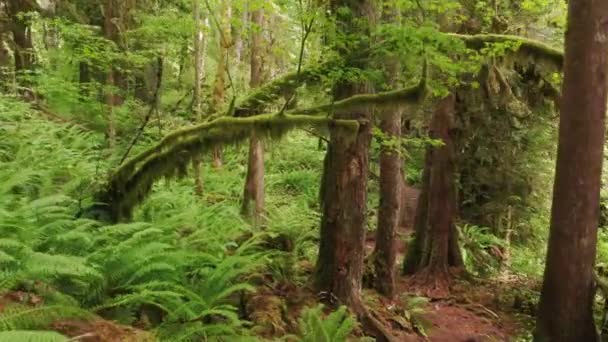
529, 47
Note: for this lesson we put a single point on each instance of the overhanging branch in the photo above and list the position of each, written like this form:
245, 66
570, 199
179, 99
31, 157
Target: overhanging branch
133, 181
529, 47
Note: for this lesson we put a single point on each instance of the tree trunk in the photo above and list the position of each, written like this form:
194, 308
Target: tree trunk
199, 44
344, 190
116, 19
388, 212
390, 180
253, 196
565, 309
6, 62
219, 86
435, 248
24, 53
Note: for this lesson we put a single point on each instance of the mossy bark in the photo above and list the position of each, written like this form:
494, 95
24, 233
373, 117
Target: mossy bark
24, 53
254, 182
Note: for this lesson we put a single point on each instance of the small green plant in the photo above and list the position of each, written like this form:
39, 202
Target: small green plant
480, 248
335, 327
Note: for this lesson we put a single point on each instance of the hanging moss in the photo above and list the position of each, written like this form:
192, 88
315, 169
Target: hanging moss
281, 87
132, 182
526, 49
413, 94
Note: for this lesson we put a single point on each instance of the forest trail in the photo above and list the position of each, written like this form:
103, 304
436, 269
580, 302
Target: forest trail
470, 313
472, 316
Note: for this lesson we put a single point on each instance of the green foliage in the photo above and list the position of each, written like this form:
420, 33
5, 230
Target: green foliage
32, 336
480, 248
335, 327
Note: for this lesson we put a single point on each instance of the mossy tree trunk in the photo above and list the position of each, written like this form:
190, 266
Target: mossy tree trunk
219, 86
6, 62
339, 269
253, 195
24, 53
566, 304
344, 199
390, 179
434, 250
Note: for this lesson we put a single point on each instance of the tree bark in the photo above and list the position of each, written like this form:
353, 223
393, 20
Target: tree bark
565, 309
435, 248
253, 195
390, 180
22, 34
219, 86
115, 22
344, 190
388, 212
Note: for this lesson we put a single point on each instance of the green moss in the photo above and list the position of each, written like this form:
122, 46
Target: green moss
526, 48
133, 181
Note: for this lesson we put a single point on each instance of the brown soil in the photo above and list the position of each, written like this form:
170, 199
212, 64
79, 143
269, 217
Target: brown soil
100, 331
469, 312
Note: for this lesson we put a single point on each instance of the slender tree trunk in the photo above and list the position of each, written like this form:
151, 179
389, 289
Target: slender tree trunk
219, 87
111, 100
388, 212
115, 21
199, 47
6, 74
253, 196
565, 309
390, 180
435, 248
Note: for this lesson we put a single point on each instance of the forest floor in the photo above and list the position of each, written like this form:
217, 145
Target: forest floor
474, 310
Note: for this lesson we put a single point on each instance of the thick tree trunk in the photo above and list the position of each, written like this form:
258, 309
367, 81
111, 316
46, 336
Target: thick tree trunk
435, 248
565, 309
253, 195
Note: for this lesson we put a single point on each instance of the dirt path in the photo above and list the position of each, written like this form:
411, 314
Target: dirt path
452, 323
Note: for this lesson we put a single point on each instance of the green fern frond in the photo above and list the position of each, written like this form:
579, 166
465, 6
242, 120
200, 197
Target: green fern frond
20, 317
32, 336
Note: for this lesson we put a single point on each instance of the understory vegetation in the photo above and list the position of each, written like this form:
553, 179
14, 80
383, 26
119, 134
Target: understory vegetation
315, 171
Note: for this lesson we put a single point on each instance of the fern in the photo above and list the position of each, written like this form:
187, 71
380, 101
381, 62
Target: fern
335, 327
32, 336
18, 317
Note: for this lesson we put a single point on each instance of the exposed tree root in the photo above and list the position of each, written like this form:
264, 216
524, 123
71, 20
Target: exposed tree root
371, 325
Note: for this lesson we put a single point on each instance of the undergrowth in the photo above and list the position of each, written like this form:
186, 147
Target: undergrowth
177, 270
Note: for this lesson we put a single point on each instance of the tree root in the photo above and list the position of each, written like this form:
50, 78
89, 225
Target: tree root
372, 325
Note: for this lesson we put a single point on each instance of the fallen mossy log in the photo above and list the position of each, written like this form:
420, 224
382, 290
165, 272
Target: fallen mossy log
133, 181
